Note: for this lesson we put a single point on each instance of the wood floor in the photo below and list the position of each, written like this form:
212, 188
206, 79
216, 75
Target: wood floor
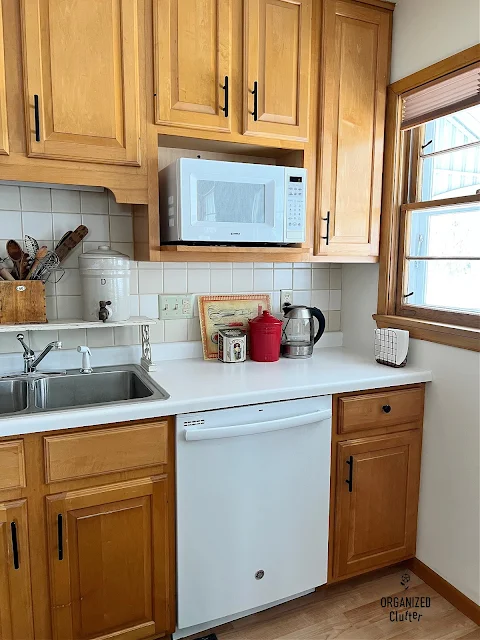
353, 611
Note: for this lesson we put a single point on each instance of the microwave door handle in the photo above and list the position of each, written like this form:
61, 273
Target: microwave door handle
248, 429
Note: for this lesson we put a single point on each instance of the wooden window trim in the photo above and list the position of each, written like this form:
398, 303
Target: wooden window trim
394, 196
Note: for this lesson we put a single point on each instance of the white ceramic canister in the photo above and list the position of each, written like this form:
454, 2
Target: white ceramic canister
105, 275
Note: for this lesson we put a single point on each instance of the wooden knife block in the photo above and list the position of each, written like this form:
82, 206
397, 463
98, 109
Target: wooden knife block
22, 301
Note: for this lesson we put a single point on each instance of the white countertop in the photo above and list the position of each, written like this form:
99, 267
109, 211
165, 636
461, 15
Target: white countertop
196, 385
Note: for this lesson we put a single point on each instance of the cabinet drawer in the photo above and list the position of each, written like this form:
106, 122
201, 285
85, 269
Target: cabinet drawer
374, 410
80, 455
12, 465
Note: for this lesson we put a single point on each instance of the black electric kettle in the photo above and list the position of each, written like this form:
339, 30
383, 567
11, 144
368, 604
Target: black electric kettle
298, 333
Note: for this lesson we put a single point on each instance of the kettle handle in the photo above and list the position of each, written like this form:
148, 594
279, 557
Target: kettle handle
316, 313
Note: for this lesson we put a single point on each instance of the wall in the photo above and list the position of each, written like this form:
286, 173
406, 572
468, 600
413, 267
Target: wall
449, 520
47, 214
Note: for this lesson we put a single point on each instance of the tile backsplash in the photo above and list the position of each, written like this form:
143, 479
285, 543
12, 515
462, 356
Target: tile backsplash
47, 214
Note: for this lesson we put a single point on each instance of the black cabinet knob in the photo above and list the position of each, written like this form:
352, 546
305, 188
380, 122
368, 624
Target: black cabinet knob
386, 408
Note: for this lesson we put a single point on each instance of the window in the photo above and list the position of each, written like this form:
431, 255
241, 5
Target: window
440, 224
430, 253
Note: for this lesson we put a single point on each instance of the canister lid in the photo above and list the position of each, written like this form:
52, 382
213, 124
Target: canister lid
265, 318
104, 257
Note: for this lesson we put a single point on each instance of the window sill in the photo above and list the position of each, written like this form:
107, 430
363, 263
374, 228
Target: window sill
449, 334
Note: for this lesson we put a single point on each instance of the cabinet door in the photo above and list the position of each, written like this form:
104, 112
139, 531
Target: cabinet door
109, 565
354, 71
3, 103
277, 68
376, 514
193, 55
81, 80
16, 618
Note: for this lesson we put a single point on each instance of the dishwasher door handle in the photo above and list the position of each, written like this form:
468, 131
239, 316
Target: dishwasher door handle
249, 429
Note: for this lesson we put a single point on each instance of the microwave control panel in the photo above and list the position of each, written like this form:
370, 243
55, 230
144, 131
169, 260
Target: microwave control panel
296, 198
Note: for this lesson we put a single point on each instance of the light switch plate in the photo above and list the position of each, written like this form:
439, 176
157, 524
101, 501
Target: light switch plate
176, 306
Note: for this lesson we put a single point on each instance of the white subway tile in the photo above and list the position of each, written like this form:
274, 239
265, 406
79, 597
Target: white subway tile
335, 278
126, 335
35, 199
100, 337
72, 339
98, 228
93, 202
174, 265
149, 306
242, 280
302, 265
157, 332
221, 281
134, 282
69, 284
38, 224
220, 265
320, 279
198, 281
283, 265
198, 265
242, 265
71, 262
263, 279
10, 226
69, 307
134, 305
263, 265
65, 201
275, 301
150, 281
335, 265
121, 228
51, 306
193, 329
321, 265
320, 299
302, 297
63, 222
282, 279
335, 303
334, 321
38, 340
126, 248
9, 197
117, 208
302, 278
150, 265
176, 330
175, 281
10, 344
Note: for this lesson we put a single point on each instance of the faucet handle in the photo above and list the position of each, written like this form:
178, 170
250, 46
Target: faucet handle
26, 348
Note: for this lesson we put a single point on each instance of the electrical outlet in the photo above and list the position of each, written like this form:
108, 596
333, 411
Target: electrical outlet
286, 297
176, 306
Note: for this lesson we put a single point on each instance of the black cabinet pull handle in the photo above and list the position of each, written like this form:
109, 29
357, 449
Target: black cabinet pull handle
386, 408
37, 118
327, 220
225, 88
350, 474
255, 101
60, 536
13, 528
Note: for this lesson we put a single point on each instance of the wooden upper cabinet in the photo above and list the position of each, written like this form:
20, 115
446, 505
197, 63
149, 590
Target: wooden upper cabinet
109, 570
354, 76
277, 60
4, 144
81, 78
193, 59
16, 617
376, 511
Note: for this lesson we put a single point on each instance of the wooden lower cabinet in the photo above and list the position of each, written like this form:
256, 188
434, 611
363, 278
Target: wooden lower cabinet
16, 616
109, 566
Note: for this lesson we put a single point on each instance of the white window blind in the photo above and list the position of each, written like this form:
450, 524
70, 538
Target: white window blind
452, 93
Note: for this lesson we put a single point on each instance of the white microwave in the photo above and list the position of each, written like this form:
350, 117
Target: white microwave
209, 201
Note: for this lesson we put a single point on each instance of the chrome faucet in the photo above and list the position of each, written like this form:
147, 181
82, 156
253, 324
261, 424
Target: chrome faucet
30, 362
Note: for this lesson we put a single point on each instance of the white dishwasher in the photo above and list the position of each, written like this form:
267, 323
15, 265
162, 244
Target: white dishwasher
253, 488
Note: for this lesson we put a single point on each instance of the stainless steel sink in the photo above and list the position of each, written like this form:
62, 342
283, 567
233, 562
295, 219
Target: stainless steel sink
13, 396
106, 385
